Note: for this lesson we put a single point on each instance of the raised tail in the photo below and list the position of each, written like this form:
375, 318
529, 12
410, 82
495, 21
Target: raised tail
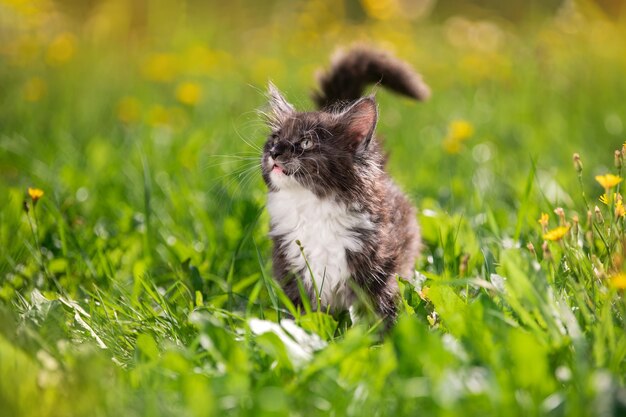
352, 71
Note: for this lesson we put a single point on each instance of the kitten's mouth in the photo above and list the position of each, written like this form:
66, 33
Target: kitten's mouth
278, 169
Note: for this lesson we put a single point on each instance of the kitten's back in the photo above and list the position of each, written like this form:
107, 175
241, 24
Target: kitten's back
352, 71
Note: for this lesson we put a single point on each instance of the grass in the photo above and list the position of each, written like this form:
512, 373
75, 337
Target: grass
140, 282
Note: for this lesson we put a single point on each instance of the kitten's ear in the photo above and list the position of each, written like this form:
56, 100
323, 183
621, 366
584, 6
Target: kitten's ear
360, 121
281, 109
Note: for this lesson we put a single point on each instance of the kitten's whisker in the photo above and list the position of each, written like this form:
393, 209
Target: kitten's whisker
250, 144
245, 181
248, 170
235, 155
231, 161
224, 164
227, 192
225, 159
236, 172
248, 177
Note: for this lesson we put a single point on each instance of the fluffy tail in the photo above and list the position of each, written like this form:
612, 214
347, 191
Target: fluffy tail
352, 71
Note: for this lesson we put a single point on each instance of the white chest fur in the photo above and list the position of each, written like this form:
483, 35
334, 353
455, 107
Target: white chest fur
326, 229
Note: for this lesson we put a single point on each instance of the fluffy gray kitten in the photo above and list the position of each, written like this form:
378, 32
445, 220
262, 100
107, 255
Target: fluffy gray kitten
338, 222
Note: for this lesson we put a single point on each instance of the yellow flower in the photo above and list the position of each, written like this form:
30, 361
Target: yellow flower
188, 93
35, 194
618, 281
128, 109
608, 181
34, 89
461, 129
543, 220
557, 233
160, 67
61, 49
604, 199
458, 132
380, 9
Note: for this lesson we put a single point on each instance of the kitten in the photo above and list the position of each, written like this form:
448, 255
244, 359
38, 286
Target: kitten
338, 222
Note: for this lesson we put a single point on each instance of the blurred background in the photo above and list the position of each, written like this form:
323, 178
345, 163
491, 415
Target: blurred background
76, 74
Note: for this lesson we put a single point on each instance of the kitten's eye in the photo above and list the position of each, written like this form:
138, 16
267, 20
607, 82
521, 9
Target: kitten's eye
306, 143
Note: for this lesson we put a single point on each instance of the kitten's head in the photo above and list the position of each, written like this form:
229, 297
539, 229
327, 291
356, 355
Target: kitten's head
317, 150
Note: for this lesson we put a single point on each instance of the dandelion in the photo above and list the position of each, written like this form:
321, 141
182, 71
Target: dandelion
461, 129
618, 160
604, 199
188, 93
531, 248
608, 181
575, 220
458, 132
35, 194
618, 281
380, 9
543, 221
61, 49
556, 234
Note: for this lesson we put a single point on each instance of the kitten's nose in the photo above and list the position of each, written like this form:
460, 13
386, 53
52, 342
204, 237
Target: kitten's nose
276, 151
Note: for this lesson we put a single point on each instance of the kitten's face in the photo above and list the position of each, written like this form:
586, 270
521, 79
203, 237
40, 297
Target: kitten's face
315, 150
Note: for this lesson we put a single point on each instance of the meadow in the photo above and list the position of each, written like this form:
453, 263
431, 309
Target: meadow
135, 266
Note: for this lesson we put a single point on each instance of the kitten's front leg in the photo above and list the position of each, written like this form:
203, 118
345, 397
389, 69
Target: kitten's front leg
387, 302
384, 304
378, 285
